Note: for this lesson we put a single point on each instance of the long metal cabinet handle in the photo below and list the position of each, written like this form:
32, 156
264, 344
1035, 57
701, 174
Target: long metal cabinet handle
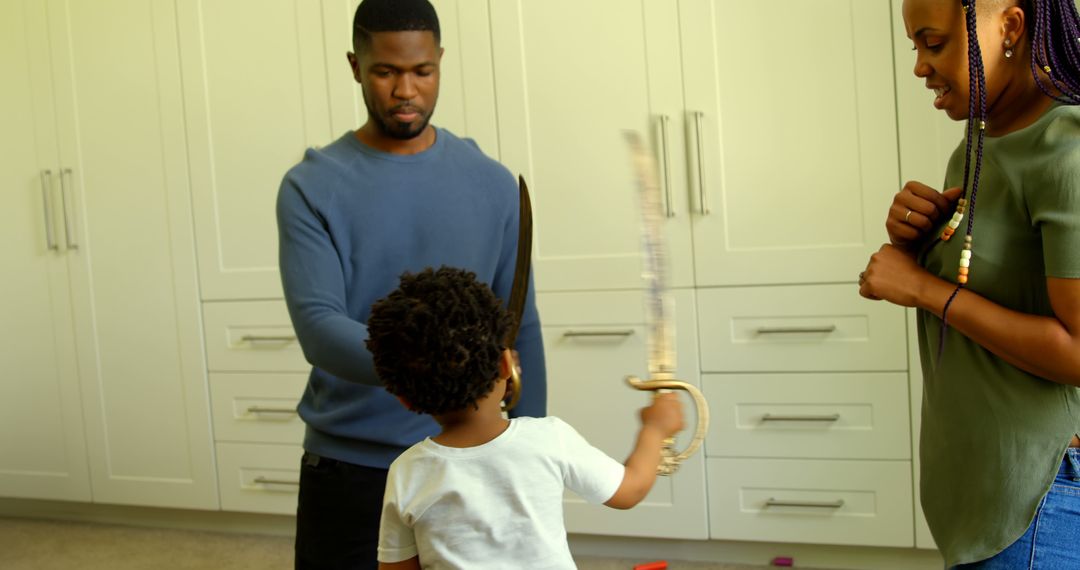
50, 231
68, 231
262, 410
616, 333
268, 481
665, 162
267, 338
796, 330
699, 138
800, 418
805, 504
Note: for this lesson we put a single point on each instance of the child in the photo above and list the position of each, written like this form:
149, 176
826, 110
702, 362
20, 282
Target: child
486, 492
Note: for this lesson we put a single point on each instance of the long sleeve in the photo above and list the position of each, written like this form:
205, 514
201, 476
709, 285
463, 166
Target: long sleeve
314, 286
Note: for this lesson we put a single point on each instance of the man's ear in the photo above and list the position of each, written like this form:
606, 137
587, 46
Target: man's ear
354, 65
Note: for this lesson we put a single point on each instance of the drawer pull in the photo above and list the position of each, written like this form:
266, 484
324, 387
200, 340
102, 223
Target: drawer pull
262, 410
620, 333
796, 330
806, 418
267, 338
771, 502
267, 481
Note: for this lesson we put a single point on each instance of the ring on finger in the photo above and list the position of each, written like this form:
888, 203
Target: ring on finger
907, 217
862, 277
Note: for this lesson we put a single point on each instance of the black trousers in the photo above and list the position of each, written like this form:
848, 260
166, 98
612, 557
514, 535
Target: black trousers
337, 515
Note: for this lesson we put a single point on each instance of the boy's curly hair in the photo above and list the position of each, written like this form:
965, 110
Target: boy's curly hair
437, 339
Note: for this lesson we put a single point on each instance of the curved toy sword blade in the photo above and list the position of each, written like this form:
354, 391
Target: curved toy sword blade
520, 289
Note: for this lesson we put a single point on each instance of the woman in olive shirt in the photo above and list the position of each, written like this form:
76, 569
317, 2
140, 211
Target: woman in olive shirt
999, 300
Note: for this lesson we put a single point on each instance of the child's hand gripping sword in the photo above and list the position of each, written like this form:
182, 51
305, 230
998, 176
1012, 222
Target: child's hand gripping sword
660, 342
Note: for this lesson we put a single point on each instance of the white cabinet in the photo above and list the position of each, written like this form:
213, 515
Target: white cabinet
798, 133
258, 95
39, 390
775, 168
593, 341
571, 77
116, 150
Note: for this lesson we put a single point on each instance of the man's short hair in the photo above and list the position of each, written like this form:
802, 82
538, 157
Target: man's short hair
437, 339
373, 16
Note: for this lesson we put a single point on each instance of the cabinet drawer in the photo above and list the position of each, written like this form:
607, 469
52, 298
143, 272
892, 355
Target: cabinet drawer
259, 478
804, 328
257, 408
866, 503
828, 416
251, 336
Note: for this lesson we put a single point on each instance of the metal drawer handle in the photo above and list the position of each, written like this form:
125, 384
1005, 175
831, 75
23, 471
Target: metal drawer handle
796, 330
262, 410
771, 502
266, 481
267, 338
46, 188
619, 333
807, 418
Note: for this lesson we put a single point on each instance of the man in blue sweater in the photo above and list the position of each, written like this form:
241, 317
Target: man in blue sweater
396, 195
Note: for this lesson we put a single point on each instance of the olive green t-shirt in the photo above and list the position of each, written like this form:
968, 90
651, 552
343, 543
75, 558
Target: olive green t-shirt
993, 435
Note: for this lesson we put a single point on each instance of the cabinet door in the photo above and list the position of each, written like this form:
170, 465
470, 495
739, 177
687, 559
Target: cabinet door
42, 452
568, 89
792, 137
255, 95
593, 341
131, 256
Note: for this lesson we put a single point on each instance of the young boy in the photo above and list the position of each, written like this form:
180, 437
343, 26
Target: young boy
486, 492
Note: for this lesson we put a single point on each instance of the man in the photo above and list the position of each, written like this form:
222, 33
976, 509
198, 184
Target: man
396, 195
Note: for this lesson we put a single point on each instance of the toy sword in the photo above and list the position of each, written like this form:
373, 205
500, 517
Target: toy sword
658, 307
520, 288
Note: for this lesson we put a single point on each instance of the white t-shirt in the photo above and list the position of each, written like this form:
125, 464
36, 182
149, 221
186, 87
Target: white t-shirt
497, 505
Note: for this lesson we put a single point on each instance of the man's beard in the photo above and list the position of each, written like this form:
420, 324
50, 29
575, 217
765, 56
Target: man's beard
396, 130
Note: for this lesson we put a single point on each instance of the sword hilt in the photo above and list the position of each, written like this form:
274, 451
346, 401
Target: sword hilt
514, 389
669, 459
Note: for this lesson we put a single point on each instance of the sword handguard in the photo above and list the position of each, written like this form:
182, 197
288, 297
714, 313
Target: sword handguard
514, 388
669, 460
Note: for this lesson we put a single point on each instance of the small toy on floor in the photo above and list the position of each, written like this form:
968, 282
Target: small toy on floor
783, 561
658, 565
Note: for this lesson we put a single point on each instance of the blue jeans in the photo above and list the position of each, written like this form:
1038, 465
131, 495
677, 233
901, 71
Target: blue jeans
1052, 542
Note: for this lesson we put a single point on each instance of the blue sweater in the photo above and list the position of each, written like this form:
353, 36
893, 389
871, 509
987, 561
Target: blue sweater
351, 220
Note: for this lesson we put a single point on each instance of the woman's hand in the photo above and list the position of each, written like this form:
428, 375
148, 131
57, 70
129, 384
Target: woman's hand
916, 210
893, 275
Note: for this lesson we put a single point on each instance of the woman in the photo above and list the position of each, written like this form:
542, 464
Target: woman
998, 296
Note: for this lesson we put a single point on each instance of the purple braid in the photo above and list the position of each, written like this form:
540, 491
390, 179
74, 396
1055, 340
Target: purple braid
976, 128
1055, 49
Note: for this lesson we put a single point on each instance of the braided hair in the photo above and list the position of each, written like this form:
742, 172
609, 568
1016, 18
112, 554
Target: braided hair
437, 339
1054, 29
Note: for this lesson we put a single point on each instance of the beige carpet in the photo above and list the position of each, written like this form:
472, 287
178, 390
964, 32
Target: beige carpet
49, 545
